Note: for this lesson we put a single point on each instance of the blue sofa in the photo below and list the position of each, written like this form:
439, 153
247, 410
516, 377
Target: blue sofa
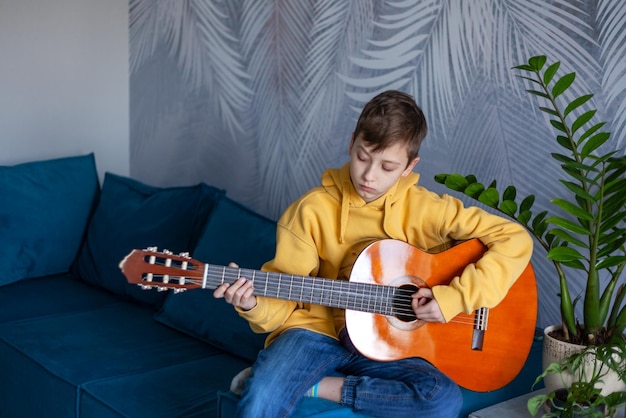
77, 340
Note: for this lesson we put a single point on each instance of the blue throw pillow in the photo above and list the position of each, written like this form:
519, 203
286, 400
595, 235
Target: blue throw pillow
44, 210
132, 215
234, 233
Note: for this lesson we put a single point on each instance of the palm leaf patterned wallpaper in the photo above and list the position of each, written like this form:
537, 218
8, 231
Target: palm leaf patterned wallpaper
259, 97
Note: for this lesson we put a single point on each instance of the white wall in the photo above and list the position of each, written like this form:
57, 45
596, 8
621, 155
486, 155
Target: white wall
64, 81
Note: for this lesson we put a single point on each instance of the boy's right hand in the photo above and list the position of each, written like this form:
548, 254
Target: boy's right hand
238, 294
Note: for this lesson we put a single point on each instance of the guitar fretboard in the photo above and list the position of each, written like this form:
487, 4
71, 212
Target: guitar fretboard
364, 297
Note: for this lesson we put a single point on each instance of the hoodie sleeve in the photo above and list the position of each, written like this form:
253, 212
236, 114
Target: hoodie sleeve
293, 256
485, 283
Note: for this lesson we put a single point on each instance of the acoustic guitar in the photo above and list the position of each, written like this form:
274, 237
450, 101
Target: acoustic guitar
480, 351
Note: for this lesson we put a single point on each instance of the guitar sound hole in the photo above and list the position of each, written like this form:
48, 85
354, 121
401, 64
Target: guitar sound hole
402, 304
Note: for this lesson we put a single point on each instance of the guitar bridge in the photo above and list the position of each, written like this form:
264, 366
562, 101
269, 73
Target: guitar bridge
481, 317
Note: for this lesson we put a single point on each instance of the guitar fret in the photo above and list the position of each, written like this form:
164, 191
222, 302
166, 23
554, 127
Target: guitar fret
346, 303
388, 308
204, 275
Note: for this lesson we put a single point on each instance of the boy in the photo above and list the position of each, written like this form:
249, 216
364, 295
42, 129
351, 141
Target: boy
374, 196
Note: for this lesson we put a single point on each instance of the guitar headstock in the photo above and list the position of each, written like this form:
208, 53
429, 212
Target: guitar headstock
164, 270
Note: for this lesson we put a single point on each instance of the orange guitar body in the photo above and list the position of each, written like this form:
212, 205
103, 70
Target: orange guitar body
506, 339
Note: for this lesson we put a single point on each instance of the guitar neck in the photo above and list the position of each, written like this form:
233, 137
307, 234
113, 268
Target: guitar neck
332, 293
151, 269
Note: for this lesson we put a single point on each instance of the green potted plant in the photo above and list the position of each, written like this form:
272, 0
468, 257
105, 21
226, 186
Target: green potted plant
588, 230
582, 398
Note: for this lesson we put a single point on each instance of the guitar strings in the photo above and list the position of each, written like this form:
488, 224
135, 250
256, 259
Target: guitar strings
394, 304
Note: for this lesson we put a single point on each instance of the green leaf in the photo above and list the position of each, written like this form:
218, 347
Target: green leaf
535, 403
612, 220
564, 142
557, 124
611, 262
564, 236
471, 178
567, 224
509, 193
590, 131
536, 63
578, 191
594, 142
509, 207
540, 228
524, 67
524, 216
560, 157
611, 248
533, 80
572, 209
617, 236
577, 103
615, 399
575, 264
474, 190
615, 186
564, 254
456, 182
549, 111
441, 178
582, 119
576, 166
563, 84
527, 203
539, 225
490, 197
539, 93
550, 72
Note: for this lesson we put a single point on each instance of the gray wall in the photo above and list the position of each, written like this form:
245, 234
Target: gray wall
64, 81
259, 97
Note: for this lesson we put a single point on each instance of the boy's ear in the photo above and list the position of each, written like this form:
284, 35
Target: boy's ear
410, 167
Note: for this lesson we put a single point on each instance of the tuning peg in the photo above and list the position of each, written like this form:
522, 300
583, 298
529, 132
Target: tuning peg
184, 254
161, 288
152, 249
168, 252
179, 289
145, 286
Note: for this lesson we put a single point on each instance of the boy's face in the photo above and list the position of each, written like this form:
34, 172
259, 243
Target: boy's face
373, 173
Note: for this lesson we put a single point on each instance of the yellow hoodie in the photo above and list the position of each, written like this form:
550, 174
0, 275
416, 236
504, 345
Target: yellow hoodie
322, 233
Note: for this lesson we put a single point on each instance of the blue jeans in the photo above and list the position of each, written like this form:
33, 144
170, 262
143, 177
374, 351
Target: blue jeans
298, 359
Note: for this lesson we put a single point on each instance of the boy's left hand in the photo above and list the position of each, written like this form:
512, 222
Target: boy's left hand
426, 307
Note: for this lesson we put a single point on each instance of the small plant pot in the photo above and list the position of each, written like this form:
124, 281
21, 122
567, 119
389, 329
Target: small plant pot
560, 401
555, 350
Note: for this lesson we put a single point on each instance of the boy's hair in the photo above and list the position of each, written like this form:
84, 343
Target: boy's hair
392, 116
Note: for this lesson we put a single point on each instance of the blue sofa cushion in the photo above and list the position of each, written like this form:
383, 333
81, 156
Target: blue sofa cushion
233, 233
50, 295
43, 215
186, 390
53, 356
133, 215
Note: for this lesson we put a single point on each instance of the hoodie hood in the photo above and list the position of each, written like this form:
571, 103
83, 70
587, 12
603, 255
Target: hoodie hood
337, 183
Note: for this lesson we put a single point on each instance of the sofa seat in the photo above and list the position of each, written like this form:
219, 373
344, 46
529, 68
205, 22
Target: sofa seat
186, 389
93, 346
40, 297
